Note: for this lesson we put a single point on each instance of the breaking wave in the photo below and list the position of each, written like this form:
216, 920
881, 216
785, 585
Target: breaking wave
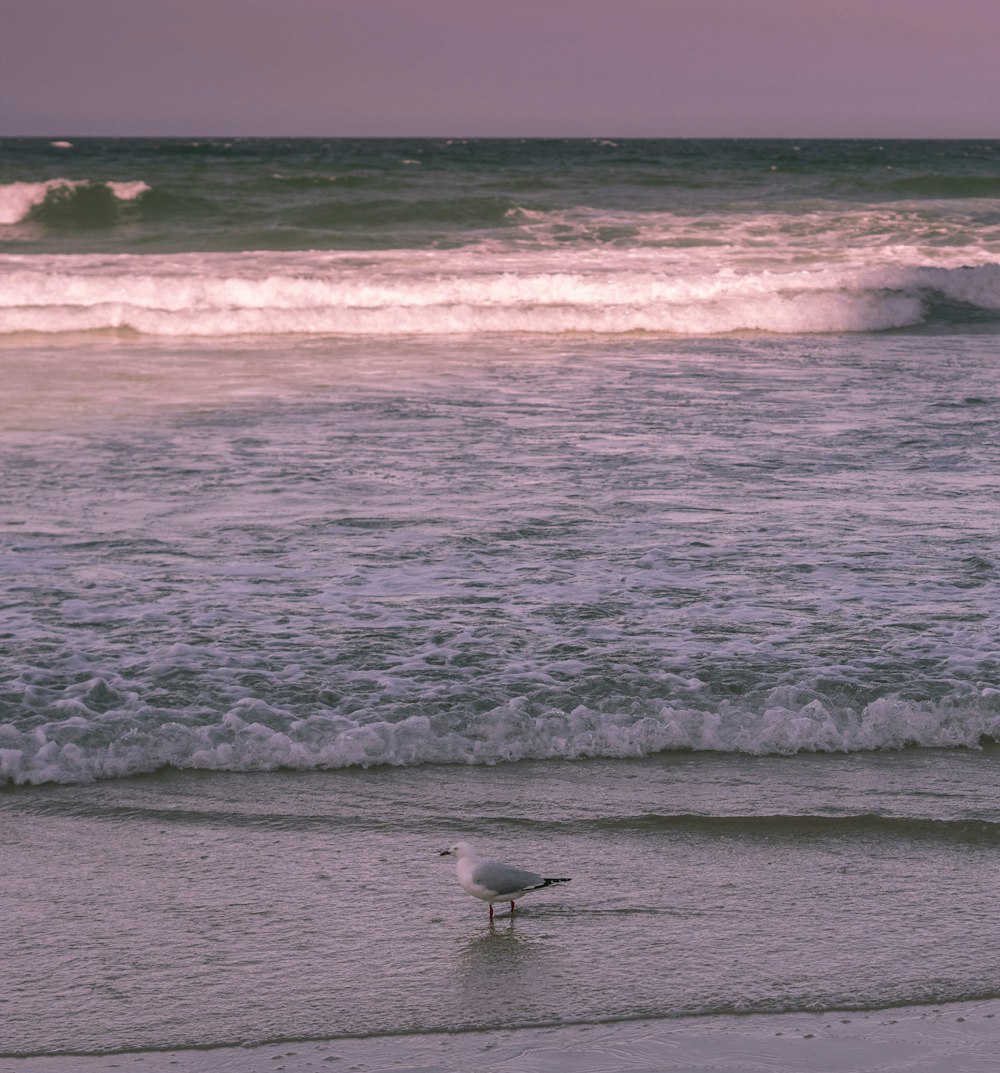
66, 201
107, 735
456, 292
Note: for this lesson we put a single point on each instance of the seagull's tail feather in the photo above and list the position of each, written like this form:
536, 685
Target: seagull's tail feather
549, 882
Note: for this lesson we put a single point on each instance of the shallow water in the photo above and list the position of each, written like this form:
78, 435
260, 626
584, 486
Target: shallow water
204, 909
324, 555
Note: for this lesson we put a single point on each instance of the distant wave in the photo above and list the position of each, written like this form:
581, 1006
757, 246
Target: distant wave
458, 292
65, 200
948, 186
469, 213
61, 203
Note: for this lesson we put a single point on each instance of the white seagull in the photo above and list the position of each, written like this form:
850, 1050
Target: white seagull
493, 882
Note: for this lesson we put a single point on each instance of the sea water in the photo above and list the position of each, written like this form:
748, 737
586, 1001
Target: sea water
628, 508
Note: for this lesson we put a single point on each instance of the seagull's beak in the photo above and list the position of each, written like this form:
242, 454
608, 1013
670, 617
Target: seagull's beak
445, 853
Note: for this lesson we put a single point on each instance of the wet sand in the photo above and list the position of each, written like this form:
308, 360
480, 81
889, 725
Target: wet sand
952, 1038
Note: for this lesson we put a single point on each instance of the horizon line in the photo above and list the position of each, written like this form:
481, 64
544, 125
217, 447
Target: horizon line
63, 136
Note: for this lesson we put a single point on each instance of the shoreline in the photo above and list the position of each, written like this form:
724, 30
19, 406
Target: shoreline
960, 1037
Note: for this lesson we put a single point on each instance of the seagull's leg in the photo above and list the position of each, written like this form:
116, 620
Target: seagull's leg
512, 907
491, 910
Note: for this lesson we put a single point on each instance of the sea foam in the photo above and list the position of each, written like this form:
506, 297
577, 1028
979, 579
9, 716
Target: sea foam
454, 293
257, 736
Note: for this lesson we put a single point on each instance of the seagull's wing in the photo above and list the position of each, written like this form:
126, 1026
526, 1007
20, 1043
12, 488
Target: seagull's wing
502, 879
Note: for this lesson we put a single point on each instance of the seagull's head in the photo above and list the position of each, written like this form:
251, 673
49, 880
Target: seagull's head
459, 849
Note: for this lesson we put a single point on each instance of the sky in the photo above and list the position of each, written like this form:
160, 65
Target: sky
574, 68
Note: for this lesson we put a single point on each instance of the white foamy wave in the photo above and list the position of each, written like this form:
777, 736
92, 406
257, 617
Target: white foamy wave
18, 199
456, 293
896, 232
255, 736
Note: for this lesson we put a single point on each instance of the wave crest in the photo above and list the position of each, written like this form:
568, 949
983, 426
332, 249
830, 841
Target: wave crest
455, 293
80, 201
255, 736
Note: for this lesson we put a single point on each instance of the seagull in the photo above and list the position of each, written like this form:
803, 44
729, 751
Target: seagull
491, 881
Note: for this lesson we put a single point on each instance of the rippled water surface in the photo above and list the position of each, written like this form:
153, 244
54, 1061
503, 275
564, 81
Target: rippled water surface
328, 554
204, 909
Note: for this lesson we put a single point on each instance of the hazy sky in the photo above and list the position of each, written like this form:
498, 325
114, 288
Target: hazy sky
496, 67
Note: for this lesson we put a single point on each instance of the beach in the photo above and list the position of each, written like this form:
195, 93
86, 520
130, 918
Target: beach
963, 1038
624, 508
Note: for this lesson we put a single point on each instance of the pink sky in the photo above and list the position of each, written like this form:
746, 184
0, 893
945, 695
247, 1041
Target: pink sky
670, 68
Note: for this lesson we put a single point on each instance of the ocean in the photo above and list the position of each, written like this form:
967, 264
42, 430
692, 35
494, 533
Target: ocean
627, 508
